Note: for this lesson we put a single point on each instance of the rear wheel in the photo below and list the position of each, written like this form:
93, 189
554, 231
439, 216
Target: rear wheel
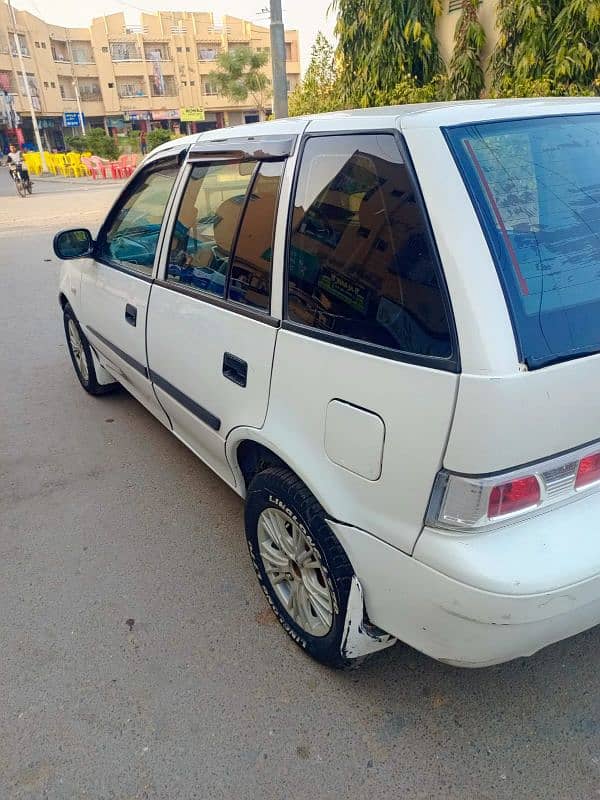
81, 355
29, 186
302, 568
21, 190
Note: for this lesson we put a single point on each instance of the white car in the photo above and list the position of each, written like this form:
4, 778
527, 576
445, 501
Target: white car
382, 329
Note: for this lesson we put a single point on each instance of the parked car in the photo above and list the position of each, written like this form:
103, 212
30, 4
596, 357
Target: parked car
382, 329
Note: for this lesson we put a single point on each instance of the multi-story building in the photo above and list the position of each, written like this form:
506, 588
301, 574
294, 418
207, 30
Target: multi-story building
153, 74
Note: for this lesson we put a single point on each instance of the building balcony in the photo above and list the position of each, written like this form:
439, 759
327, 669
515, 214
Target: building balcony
90, 96
169, 90
131, 93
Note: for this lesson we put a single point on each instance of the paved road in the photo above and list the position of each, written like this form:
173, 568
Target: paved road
105, 518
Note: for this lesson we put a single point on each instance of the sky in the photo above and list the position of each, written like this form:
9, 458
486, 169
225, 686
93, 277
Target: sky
307, 16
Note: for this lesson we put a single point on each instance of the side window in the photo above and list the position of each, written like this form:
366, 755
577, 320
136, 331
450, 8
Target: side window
131, 238
206, 224
359, 263
250, 281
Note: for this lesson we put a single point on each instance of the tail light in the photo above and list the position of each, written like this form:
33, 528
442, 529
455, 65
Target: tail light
473, 503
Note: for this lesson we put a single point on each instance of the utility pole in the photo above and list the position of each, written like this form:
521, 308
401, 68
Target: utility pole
75, 82
36, 130
280, 99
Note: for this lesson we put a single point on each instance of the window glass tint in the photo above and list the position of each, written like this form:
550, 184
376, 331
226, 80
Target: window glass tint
250, 281
536, 183
204, 232
359, 261
132, 236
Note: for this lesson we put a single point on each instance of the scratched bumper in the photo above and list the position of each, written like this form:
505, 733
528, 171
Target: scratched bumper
453, 620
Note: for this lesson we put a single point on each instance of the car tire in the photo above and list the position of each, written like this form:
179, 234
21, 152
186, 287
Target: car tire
320, 570
81, 356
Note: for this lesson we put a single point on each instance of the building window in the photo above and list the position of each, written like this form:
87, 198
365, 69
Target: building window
37, 44
157, 52
208, 51
125, 51
46, 84
22, 45
89, 91
43, 45
210, 89
82, 53
184, 83
161, 86
359, 261
187, 49
52, 85
105, 49
111, 86
288, 50
192, 83
180, 49
131, 87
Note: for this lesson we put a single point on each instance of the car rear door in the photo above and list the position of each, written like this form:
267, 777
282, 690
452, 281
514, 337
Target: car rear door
115, 285
211, 336
366, 365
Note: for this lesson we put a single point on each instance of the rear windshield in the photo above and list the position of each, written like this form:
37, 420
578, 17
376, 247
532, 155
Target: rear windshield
535, 184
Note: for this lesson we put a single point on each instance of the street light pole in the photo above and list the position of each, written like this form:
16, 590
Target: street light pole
280, 100
75, 82
36, 130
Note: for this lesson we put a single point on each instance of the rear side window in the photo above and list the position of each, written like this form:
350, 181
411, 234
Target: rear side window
250, 281
535, 184
359, 261
130, 238
204, 232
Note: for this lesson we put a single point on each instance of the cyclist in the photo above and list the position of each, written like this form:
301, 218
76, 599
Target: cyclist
16, 164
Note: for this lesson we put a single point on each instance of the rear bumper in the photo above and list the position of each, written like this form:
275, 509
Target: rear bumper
458, 623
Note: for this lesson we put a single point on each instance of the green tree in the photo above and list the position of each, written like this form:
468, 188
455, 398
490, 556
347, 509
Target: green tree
157, 137
557, 42
319, 90
379, 41
239, 74
97, 142
575, 42
466, 78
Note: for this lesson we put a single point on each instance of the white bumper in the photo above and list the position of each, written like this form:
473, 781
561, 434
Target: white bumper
519, 605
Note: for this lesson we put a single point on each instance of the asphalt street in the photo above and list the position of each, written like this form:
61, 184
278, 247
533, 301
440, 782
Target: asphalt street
139, 659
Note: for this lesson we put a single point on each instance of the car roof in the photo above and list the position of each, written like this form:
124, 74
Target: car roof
416, 115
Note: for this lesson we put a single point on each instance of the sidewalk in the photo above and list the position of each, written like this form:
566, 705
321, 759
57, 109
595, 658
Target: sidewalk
86, 182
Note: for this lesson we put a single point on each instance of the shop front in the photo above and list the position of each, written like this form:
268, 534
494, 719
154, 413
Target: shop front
166, 119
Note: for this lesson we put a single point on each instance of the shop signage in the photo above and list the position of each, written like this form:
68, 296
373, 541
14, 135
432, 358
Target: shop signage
115, 122
191, 114
71, 119
157, 115
137, 116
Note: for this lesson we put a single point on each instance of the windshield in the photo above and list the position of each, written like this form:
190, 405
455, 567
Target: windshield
535, 184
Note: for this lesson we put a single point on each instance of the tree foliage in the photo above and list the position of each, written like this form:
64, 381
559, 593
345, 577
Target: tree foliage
465, 72
239, 74
557, 41
96, 141
382, 40
319, 90
157, 137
